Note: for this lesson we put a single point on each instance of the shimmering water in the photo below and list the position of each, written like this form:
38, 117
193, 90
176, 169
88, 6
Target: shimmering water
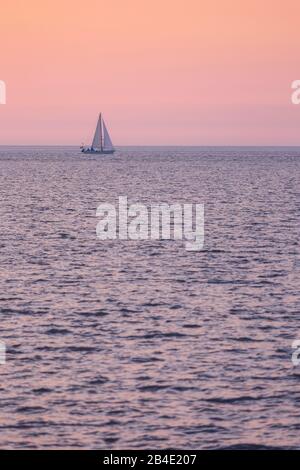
123, 344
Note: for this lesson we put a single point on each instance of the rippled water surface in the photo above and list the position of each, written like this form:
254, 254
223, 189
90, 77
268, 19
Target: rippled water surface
125, 344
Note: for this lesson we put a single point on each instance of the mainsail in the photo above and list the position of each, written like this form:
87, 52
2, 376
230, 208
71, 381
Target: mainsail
107, 143
97, 141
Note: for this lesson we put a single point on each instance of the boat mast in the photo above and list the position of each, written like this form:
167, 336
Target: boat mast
101, 133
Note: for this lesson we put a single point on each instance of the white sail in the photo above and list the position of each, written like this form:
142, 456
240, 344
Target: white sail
107, 143
97, 137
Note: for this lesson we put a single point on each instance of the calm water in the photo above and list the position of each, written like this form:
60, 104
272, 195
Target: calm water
143, 344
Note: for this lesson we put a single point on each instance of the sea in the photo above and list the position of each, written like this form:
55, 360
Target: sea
142, 344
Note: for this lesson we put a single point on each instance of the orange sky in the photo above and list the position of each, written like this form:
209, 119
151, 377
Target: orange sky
162, 71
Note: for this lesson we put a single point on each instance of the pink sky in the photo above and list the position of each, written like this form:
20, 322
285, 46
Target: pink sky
162, 71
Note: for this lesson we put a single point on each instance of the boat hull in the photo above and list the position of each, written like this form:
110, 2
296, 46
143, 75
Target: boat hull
98, 152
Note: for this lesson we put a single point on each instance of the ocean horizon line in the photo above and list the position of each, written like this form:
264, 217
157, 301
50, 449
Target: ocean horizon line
158, 146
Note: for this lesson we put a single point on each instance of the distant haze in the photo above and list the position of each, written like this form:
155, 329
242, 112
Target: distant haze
162, 71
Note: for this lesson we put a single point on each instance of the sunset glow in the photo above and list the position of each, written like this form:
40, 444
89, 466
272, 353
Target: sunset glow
162, 72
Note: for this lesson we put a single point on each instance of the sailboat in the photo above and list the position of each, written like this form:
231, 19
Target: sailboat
102, 142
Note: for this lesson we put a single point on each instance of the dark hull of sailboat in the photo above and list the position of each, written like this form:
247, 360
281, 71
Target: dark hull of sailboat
98, 152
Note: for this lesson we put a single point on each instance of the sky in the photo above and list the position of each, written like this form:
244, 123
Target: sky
163, 72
